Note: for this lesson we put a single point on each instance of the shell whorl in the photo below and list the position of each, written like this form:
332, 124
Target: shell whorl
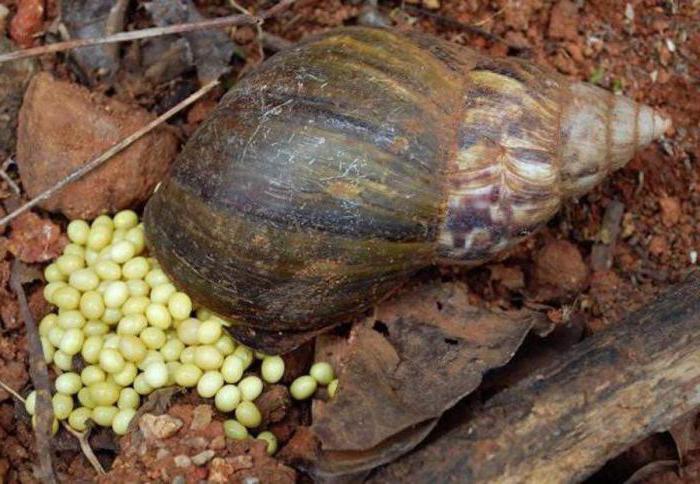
530, 139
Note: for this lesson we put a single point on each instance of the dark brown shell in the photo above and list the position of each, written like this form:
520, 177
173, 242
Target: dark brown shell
338, 168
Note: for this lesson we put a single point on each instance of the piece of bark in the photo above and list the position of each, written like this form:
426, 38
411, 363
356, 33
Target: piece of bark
565, 421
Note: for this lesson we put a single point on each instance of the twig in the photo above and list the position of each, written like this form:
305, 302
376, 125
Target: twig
9, 390
275, 43
99, 160
85, 447
258, 28
6, 177
81, 436
221, 22
40, 378
229, 21
450, 22
280, 7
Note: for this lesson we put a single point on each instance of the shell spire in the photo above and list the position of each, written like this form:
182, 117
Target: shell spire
528, 141
600, 132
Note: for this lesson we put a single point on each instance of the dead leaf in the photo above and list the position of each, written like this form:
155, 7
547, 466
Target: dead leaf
211, 49
652, 471
94, 18
686, 435
401, 369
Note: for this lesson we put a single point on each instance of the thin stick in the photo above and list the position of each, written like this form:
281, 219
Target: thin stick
9, 181
9, 390
40, 377
221, 22
274, 42
99, 160
81, 436
280, 7
258, 29
85, 447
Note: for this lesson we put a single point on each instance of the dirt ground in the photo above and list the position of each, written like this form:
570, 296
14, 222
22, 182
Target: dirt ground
619, 246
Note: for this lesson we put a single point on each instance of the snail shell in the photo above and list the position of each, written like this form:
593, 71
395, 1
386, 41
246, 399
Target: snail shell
340, 167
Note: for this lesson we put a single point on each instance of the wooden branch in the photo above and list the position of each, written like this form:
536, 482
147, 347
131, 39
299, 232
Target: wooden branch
40, 378
567, 420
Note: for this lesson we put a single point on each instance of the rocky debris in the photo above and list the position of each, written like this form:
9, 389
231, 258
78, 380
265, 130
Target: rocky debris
173, 448
518, 14
27, 22
274, 403
201, 417
182, 460
559, 268
250, 463
670, 210
563, 21
203, 457
14, 374
159, 427
511, 277
35, 239
658, 245
62, 126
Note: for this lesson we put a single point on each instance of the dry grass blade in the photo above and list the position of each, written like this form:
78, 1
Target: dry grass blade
9, 390
99, 160
258, 28
40, 378
216, 23
10, 182
133, 35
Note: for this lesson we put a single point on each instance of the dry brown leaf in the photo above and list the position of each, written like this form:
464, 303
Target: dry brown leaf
686, 435
401, 369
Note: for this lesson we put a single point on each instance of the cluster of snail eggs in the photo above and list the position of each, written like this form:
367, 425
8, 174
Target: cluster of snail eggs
121, 320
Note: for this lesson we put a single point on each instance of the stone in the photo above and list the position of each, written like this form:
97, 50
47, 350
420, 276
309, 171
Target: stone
564, 20
203, 457
670, 210
62, 126
559, 264
201, 416
159, 427
182, 460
